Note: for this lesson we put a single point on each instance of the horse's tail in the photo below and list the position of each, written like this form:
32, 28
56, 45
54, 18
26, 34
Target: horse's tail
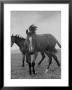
58, 44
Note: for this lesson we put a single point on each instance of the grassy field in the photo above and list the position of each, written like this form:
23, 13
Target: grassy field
19, 72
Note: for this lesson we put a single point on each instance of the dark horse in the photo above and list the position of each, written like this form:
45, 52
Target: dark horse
23, 46
19, 41
43, 43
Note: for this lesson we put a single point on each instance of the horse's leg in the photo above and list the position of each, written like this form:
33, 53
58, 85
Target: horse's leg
43, 56
28, 60
56, 59
23, 60
50, 60
33, 63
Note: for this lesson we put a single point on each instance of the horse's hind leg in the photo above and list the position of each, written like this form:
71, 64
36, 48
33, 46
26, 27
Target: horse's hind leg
55, 57
50, 59
43, 56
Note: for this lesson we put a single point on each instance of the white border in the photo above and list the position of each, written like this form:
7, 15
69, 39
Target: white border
64, 8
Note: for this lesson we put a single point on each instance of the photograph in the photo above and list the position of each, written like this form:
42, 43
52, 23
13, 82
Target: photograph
44, 44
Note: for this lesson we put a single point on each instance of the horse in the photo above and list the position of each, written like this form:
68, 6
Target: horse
43, 43
19, 41
22, 44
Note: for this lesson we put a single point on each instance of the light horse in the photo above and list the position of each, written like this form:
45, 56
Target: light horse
43, 43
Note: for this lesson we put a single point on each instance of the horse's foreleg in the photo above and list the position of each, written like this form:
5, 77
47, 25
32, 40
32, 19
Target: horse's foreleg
43, 56
30, 68
33, 63
28, 60
23, 60
33, 66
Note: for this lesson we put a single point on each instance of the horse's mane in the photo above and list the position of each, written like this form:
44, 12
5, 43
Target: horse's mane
19, 36
33, 28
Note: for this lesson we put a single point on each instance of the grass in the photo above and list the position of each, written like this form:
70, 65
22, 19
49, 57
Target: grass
19, 72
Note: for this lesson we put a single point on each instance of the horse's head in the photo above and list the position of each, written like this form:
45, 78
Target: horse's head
32, 29
12, 40
29, 34
29, 40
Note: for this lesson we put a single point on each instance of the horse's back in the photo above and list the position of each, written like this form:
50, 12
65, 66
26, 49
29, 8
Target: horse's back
43, 41
45, 38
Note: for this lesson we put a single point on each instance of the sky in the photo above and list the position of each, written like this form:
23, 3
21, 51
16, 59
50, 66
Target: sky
46, 21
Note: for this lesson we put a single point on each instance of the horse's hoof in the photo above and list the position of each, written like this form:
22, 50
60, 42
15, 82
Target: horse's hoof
46, 70
35, 73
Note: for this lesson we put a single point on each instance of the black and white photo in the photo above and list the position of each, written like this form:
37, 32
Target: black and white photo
36, 41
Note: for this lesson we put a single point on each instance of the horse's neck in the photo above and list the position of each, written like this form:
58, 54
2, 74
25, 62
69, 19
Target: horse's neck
34, 35
19, 42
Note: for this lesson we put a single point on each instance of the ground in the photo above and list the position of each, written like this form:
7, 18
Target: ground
19, 72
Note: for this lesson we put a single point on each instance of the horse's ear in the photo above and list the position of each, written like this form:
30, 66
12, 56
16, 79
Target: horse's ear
27, 32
